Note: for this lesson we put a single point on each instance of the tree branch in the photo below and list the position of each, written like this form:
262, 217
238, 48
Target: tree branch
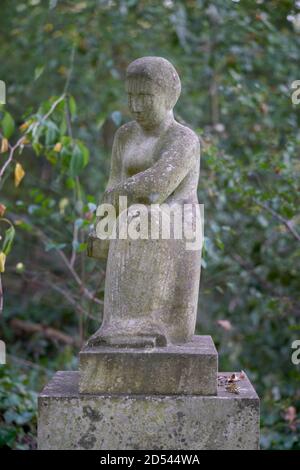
48, 332
287, 223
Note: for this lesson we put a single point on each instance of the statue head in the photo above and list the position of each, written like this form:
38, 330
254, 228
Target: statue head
153, 88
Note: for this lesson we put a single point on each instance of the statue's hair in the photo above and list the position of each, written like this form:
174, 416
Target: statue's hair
158, 72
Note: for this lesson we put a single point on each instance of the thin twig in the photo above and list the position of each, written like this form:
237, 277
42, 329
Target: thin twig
70, 299
251, 270
69, 76
74, 243
12, 150
27, 363
66, 88
64, 258
61, 98
47, 331
19, 142
287, 223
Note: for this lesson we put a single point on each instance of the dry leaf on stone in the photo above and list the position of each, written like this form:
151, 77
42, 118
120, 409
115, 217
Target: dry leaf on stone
222, 380
233, 378
232, 388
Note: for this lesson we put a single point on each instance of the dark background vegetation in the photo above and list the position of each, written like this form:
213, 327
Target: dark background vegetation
64, 63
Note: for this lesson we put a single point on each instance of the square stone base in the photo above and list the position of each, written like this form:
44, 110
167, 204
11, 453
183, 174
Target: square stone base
70, 420
188, 369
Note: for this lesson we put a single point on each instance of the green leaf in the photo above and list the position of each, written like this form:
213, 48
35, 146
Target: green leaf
37, 147
8, 240
55, 246
82, 247
79, 159
70, 183
100, 122
63, 127
38, 71
51, 133
7, 436
7, 125
72, 106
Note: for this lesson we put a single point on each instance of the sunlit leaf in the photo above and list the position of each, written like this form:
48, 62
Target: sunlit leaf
2, 261
19, 174
4, 145
57, 147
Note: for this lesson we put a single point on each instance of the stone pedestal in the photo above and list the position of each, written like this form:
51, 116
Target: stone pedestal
161, 398
188, 369
70, 420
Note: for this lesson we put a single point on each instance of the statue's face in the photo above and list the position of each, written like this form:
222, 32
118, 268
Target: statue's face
147, 107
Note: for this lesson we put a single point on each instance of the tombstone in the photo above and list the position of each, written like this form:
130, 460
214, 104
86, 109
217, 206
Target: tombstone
145, 380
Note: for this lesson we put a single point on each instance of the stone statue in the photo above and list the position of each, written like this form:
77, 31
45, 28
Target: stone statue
145, 381
151, 287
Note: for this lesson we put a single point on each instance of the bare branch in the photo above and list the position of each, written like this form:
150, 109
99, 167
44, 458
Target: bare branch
74, 242
48, 332
12, 150
65, 260
287, 223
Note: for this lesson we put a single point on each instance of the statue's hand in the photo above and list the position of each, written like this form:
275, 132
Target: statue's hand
97, 248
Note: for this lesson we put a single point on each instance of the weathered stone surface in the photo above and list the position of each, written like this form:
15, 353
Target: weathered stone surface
190, 368
151, 285
69, 420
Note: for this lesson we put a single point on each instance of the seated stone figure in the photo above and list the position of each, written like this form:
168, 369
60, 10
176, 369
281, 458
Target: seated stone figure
151, 287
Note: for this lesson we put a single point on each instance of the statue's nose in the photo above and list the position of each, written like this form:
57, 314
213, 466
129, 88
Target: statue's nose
136, 106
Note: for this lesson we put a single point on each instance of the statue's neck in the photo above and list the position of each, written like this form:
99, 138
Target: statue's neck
161, 127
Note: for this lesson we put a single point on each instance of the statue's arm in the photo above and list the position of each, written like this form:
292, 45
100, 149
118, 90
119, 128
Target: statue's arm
154, 185
115, 165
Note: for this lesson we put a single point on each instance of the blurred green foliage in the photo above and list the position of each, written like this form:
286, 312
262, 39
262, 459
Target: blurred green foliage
64, 63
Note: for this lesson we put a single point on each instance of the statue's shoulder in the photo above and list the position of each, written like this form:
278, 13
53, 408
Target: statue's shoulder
184, 135
126, 131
